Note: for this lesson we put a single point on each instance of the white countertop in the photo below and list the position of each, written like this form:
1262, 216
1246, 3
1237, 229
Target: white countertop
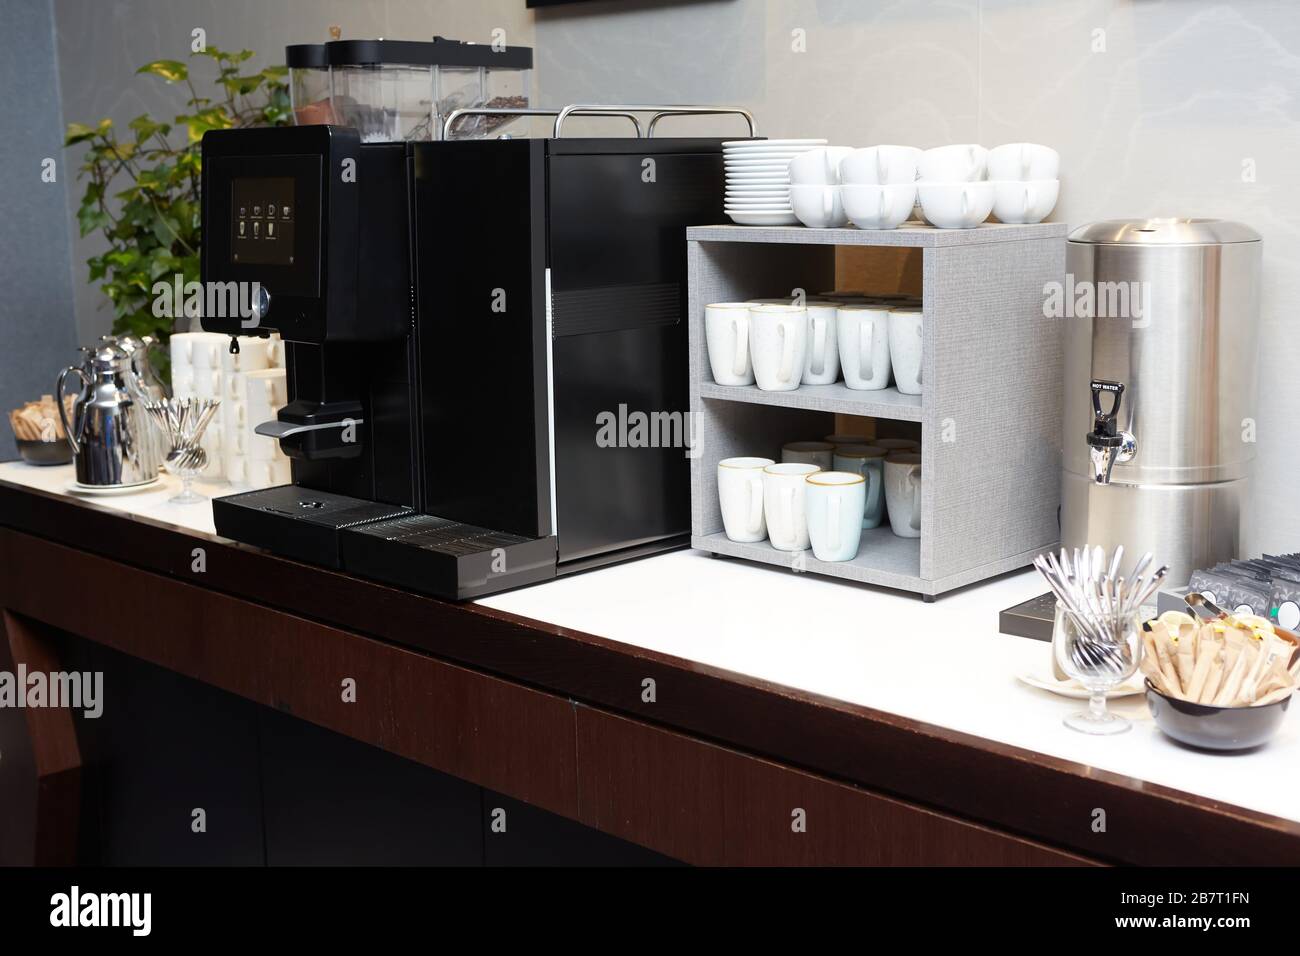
943, 663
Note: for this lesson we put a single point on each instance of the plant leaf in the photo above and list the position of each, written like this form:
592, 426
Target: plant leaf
173, 71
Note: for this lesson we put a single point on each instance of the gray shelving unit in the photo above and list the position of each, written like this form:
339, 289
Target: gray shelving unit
989, 415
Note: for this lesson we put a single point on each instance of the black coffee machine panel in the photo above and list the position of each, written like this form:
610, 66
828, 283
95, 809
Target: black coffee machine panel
458, 315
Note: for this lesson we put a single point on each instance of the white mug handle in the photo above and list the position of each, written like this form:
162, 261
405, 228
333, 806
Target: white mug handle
965, 201
742, 346
828, 203
1031, 199
914, 479
833, 521
787, 351
866, 333
880, 166
818, 363
755, 504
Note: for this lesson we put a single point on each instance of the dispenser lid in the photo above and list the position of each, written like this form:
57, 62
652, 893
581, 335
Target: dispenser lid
306, 56
1164, 232
438, 52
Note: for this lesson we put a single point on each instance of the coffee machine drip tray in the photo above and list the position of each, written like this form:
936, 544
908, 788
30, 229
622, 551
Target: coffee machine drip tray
446, 558
295, 522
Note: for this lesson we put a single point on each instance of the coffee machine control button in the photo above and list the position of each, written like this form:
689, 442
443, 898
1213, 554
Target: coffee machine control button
241, 228
257, 230
270, 230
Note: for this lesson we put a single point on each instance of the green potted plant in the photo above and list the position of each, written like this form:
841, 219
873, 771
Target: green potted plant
153, 225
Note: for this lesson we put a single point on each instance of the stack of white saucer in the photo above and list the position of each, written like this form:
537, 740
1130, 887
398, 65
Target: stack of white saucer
758, 179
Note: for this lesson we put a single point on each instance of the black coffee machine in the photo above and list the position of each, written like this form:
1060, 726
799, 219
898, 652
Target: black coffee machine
463, 318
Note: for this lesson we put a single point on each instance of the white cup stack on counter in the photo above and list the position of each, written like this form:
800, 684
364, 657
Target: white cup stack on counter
956, 187
823, 494
870, 342
250, 384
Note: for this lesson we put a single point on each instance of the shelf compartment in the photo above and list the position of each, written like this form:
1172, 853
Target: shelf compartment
989, 417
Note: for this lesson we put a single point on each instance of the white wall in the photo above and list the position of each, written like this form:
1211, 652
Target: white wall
1159, 123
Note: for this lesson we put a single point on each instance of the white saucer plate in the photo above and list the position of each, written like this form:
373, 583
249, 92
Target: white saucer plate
109, 491
1076, 691
763, 218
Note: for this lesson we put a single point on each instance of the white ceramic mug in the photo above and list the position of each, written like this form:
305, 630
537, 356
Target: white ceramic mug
818, 167
903, 493
895, 444
1028, 201
822, 364
878, 207
880, 166
834, 501
906, 334
869, 462
205, 349
726, 335
783, 505
778, 339
956, 205
740, 496
819, 453
1023, 161
966, 162
818, 207
864, 345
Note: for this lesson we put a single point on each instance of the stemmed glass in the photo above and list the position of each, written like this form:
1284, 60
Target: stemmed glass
183, 421
1098, 662
1097, 637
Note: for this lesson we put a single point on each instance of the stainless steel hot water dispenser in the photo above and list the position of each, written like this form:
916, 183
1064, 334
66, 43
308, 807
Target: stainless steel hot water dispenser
1162, 330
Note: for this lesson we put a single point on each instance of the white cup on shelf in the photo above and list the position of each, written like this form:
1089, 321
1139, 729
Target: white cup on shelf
726, 335
778, 339
878, 207
819, 453
818, 207
740, 497
1023, 161
869, 462
880, 166
822, 365
906, 334
956, 205
1025, 201
903, 493
864, 346
783, 505
818, 167
834, 501
964, 162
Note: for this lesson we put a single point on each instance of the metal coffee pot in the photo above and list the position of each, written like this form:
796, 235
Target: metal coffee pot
107, 421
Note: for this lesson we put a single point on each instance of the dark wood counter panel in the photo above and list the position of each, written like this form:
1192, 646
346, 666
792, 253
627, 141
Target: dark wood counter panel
722, 769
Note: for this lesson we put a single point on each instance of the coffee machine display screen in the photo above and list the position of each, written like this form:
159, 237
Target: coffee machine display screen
262, 220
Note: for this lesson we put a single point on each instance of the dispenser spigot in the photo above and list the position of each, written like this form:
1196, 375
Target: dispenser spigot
1106, 443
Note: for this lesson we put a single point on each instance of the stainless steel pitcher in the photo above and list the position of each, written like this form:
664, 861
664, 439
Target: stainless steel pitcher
105, 427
